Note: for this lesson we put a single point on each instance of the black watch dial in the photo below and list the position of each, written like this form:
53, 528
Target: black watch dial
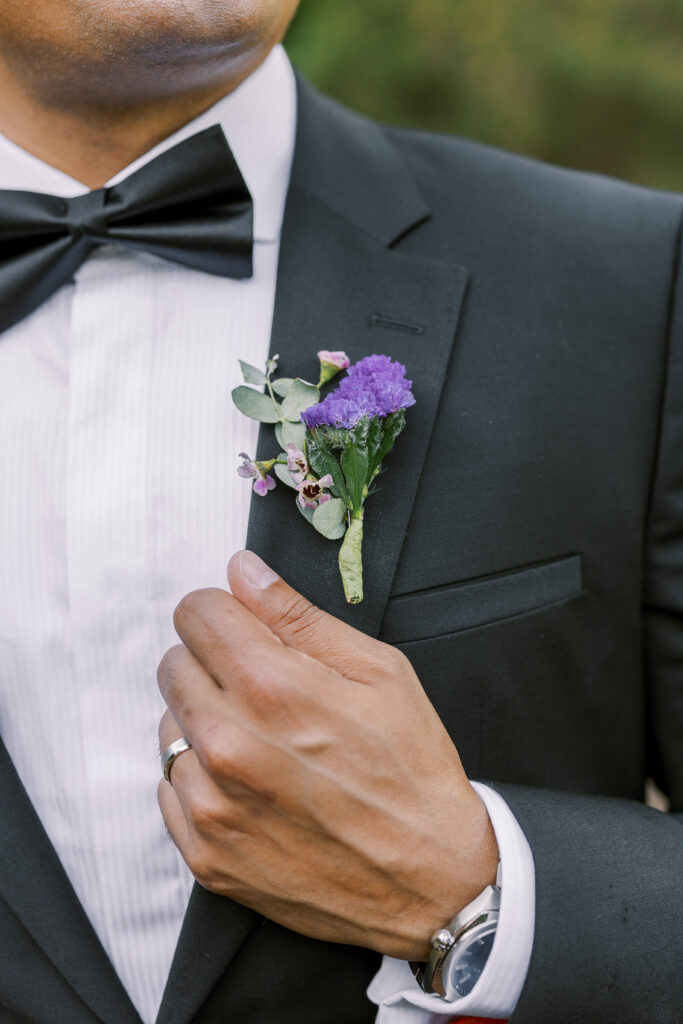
470, 961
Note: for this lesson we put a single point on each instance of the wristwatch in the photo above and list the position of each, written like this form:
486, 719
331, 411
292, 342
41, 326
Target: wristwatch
460, 950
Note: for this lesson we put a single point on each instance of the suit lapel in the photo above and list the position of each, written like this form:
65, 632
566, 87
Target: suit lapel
213, 930
34, 884
350, 200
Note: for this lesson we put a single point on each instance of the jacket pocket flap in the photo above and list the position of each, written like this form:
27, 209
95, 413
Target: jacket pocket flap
458, 606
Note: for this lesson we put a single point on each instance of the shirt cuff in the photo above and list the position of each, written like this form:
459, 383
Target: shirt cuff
396, 992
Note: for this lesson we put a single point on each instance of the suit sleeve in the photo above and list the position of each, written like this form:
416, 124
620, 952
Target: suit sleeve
608, 940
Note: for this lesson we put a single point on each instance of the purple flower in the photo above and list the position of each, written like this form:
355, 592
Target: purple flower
296, 463
374, 366
312, 493
250, 468
334, 411
374, 386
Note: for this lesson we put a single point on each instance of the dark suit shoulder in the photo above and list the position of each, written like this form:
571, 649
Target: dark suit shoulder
380, 175
465, 181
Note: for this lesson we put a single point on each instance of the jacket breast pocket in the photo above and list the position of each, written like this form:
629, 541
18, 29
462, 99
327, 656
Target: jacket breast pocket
452, 608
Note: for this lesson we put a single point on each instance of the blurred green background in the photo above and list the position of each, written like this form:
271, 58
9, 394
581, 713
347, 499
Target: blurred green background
596, 84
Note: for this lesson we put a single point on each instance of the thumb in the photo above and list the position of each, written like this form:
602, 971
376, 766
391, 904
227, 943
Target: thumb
300, 624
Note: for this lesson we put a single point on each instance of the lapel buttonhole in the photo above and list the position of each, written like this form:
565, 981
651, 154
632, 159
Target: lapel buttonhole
377, 320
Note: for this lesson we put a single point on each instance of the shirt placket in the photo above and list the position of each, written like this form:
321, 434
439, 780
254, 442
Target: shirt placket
109, 588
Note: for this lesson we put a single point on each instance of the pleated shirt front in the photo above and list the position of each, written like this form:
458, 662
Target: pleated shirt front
118, 495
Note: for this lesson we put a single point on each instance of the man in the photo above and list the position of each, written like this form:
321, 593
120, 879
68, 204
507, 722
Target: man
523, 558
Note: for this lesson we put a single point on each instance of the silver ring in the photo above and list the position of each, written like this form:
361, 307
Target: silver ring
169, 755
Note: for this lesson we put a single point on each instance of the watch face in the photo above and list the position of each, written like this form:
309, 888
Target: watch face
469, 960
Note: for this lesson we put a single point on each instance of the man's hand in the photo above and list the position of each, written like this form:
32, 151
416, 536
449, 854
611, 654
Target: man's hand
323, 790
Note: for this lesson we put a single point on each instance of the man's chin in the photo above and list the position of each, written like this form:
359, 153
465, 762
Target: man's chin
167, 31
97, 53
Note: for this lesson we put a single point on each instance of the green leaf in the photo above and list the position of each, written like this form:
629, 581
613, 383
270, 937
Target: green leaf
330, 519
255, 405
393, 425
307, 513
282, 385
252, 374
293, 433
374, 440
354, 463
278, 435
323, 463
299, 397
329, 439
358, 433
283, 474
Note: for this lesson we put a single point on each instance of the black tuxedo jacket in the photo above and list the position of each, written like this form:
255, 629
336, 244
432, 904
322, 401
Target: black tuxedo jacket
525, 551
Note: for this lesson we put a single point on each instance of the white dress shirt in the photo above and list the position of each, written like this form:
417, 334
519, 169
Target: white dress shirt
118, 451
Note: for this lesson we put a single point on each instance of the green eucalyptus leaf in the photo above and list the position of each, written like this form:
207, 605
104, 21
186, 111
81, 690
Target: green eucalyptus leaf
354, 464
282, 385
278, 435
252, 374
293, 433
322, 463
283, 474
330, 519
307, 513
255, 405
300, 396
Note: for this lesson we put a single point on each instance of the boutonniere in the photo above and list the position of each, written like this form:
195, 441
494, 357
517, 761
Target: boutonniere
332, 449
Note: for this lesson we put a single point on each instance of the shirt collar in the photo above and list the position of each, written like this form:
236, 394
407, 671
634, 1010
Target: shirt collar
259, 122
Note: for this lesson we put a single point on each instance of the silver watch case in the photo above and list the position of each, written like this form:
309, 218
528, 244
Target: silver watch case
465, 961
468, 931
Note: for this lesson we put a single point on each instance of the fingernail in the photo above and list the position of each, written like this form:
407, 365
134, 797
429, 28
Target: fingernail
255, 570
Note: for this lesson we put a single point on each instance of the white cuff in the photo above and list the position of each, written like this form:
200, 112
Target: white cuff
398, 995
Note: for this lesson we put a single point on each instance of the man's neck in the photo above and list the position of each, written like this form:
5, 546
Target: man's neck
92, 143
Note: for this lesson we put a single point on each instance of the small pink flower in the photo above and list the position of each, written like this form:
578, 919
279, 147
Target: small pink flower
256, 470
312, 492
330, 364
339, 360
262, 486
296, 463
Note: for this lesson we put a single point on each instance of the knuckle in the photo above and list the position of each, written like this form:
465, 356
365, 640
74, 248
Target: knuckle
298, 615
398, 661
216, 757
194, 606
171, 667
201, 863
185, 611
393, 663
228, 763
204, 815
268, 692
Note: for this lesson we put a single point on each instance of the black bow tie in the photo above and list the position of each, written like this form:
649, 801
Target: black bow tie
190, 205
